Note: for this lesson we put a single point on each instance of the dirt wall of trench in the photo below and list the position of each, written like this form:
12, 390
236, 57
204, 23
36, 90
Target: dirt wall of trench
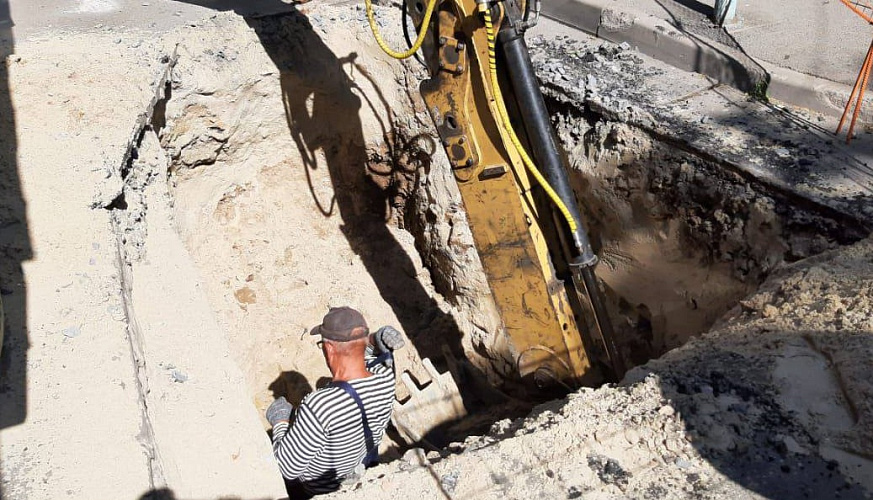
303, 176
682, 238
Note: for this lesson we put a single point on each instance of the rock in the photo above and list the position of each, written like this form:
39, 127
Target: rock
608, 470
178, 376
72, 332
614, 20
667, 411
591, 81
108, 191
412, 459
450, 481
792, 446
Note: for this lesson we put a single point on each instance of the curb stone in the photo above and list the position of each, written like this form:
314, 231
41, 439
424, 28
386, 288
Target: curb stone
657, 38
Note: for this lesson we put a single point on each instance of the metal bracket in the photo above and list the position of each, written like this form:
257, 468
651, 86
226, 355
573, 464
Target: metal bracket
452, 54
458, 146
492, 172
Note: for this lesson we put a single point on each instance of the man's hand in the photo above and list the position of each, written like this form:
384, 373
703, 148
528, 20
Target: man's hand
388, 339
279, 411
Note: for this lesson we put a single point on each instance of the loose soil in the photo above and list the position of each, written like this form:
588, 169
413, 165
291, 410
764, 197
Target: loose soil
302, 173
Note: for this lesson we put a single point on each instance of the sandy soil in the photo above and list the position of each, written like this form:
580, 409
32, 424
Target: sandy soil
291, 163
286, 173
771, 404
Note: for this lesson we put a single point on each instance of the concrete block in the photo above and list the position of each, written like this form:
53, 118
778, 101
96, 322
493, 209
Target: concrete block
807, 91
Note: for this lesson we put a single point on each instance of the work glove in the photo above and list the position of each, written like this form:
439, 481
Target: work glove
387, 339
279, 410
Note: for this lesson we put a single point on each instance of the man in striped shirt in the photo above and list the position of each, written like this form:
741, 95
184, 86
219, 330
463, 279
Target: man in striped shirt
337, 429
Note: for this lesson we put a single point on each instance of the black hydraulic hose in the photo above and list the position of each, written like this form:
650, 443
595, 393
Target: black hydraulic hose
404, 16
544, 148
543, 144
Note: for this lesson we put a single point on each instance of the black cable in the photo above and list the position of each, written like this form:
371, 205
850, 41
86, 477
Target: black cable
405, 24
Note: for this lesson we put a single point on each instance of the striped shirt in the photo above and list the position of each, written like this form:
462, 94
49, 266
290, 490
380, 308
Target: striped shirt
326, 440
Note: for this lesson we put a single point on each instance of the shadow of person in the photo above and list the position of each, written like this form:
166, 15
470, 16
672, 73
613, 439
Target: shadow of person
158, 494
15, 248
323, 108
293, 386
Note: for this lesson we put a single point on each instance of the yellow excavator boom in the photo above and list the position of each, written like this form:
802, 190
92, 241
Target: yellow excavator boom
525, 222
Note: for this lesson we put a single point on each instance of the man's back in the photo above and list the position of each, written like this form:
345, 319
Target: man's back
326, 441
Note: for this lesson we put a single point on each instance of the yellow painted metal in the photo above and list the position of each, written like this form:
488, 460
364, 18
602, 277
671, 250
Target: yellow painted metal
496, 190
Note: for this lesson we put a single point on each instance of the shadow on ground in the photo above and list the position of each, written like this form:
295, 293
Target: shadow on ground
734, 66
15, 249
323, 107
730, 405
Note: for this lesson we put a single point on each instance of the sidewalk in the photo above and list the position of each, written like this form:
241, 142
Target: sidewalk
107, 390
810, 52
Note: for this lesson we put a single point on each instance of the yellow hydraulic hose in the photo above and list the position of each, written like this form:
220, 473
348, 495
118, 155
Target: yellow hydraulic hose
507, 124
425, 23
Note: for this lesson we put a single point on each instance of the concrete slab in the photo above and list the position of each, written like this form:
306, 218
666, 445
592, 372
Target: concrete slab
207, 433
823, 39
71, 420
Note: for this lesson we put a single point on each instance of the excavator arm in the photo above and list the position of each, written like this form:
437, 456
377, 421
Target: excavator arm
491, 119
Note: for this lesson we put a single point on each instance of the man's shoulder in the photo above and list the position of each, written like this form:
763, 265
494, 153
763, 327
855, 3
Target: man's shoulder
318, 397
331, 393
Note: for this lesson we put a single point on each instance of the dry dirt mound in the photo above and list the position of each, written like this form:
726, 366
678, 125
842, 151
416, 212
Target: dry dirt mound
773, 403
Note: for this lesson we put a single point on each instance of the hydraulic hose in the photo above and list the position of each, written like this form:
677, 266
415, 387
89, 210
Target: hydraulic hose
544, 144
541, 137
425, 24
507, 125
498, 97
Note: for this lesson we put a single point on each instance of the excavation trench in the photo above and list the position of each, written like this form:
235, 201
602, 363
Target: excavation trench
304, 174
